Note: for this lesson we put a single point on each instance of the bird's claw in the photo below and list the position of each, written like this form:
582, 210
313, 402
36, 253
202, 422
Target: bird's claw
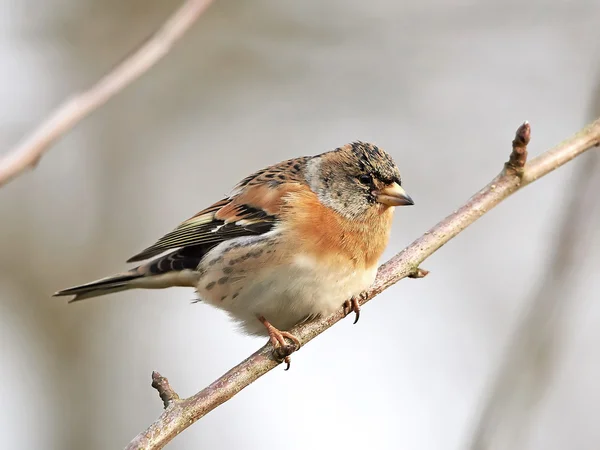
281, 349
282, 354
353, 305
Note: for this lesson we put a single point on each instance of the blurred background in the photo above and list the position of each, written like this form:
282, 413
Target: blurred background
496, 348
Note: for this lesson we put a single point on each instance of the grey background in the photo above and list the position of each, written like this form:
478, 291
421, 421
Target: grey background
440, 85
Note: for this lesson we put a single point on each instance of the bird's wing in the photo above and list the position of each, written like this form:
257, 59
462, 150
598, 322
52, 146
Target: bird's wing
252, 210
224, 220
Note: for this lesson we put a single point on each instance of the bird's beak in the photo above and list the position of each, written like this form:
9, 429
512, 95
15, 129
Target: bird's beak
393, 195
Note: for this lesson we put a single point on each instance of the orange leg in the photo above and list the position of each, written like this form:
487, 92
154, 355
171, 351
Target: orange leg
281, 348
352, 305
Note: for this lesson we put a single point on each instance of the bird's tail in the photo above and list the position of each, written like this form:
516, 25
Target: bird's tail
104, 286
174, 269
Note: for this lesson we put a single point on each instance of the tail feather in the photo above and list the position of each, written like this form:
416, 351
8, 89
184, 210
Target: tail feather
104, 286
173, 269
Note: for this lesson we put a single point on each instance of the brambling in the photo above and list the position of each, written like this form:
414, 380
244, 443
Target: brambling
293, 242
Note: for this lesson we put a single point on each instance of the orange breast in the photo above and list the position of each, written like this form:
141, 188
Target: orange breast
325, 233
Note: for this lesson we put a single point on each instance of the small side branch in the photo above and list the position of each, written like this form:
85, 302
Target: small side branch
418, 273
187, 411
165, 391
27, 154
533, 353
518, 156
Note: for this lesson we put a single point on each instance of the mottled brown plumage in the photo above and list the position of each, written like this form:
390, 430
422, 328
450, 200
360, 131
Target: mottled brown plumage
292, 242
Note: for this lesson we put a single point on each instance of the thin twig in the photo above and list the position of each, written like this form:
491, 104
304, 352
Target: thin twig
518, 156
165, 391
530, 361
29, 151
180, 415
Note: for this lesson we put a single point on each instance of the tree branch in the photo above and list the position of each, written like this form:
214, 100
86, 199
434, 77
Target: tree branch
165, 391
180, 414
28, 153
533, 354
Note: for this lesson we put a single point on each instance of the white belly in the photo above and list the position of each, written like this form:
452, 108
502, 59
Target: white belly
291, 293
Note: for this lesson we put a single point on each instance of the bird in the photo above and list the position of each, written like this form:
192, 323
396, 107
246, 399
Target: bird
292, 242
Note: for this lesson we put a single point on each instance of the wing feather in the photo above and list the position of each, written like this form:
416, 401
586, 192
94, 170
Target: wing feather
207, 229
252, 210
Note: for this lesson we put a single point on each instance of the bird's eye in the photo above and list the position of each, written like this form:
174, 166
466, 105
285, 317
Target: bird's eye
365, 179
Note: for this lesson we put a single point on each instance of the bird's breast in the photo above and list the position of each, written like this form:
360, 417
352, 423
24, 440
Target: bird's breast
304, 288
332, 284
326, 235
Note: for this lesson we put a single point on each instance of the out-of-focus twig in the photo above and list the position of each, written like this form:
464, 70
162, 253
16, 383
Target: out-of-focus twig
532, 356
29, 151
516, 174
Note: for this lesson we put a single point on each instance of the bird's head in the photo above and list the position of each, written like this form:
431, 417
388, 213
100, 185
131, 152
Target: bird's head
355, 179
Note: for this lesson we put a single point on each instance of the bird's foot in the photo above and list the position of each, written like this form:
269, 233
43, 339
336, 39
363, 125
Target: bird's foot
353, 305
281, 349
